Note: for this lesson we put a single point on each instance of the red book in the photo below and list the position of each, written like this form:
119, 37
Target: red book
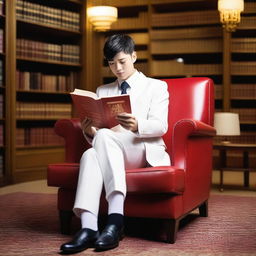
102, 110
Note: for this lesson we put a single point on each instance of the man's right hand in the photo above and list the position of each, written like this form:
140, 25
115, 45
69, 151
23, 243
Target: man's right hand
87, 128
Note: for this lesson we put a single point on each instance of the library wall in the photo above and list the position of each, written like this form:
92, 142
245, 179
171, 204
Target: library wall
185, 38
48, 47
39, 66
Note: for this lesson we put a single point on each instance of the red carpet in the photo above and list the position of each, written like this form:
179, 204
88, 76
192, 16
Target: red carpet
29, 226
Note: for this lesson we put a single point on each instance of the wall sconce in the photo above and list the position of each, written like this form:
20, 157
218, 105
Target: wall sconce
102, 17
230, 13
227, 124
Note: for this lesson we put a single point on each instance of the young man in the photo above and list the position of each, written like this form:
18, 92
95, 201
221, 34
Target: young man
136, 142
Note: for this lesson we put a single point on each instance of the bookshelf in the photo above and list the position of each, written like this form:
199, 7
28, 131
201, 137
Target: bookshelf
184, 38
2, 92
44, 41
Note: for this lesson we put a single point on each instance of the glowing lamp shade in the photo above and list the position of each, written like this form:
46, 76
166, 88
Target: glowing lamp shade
227, 124
102, 17
230, 11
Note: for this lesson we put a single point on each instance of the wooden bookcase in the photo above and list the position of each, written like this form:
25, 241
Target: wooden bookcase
174, 38
2, 92
42, 63
183, 38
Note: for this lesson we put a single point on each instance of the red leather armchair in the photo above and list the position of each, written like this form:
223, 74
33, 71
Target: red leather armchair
164, 192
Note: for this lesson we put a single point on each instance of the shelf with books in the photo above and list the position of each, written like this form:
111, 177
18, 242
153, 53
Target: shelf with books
139, 22
48, 13
46, 83
193, 18
37, 137
243, 66
185, 38
50, 29
126, 3
36, 51
43, 62
243, 91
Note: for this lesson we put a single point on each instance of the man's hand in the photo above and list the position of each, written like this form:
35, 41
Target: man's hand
87, 127
128, 121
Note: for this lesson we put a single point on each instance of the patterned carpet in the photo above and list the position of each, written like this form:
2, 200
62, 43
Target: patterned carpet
29, 226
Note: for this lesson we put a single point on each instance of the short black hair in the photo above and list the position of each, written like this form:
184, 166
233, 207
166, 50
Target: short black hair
118, 43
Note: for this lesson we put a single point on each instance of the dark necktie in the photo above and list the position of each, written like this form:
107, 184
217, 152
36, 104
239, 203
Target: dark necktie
124, 86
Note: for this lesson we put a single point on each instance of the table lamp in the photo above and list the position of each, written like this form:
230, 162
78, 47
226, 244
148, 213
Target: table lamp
227, 124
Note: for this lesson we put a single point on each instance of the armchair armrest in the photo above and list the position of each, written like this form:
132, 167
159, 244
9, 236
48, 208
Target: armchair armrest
75, 143
182, 131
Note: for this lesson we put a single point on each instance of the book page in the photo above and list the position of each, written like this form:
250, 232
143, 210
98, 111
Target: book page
85, 93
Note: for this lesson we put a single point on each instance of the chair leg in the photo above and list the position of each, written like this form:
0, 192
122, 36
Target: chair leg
65, 221
203, 209
171, 230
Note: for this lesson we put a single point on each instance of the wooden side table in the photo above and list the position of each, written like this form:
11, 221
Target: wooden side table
246, 148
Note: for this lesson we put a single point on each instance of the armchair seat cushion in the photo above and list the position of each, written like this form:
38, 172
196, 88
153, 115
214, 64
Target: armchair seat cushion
163, 179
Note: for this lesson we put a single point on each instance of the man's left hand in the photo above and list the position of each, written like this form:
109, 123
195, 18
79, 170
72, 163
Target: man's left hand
128, 121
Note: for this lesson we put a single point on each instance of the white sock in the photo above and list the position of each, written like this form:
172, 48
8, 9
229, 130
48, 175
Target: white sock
89, 220
116, 203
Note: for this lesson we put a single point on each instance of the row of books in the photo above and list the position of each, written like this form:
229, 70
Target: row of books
47, 15
174, 46
243, 45
175, 68
140, 22
247, 22
37, 136
243, 68
184, 18
56, 52
245, 114
44, 110
1, 40
122, 3
250, 7
238, 91
186, 33
26, 80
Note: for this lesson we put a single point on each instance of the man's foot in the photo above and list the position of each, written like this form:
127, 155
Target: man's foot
109, 238
84, 239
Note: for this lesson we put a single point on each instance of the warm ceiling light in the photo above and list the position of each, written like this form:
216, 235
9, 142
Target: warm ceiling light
102, 17
230, 13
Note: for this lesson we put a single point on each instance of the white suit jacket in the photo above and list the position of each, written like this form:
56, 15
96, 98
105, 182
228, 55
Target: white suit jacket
149, 102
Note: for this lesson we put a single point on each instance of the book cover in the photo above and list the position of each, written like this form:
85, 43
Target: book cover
103, 110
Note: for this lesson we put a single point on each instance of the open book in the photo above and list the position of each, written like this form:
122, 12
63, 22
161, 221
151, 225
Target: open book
103, 110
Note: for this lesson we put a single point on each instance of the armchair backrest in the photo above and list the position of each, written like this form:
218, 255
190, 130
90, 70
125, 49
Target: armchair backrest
189, 98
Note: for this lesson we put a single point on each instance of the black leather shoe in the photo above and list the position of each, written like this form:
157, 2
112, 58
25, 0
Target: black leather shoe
84, 239
109, 238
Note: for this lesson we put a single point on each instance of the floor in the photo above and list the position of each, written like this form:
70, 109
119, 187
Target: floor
40, 186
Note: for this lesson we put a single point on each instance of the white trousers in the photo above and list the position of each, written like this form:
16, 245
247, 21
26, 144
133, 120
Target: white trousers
104, 164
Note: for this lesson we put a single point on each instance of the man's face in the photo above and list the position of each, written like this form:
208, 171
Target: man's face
122, 65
